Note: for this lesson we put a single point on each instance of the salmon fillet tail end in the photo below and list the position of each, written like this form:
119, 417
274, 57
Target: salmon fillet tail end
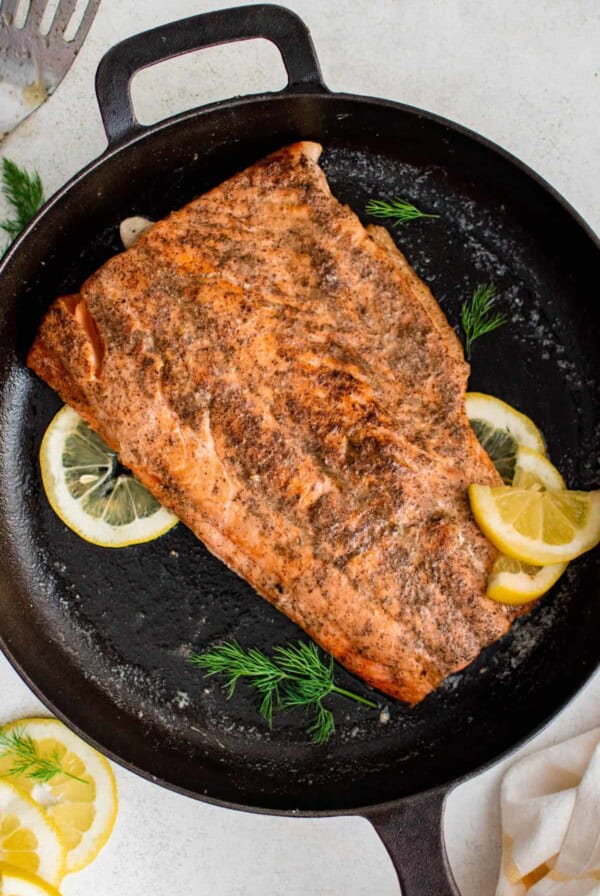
281, 379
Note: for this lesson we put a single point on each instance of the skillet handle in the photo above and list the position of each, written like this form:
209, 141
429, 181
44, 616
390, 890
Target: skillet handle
275, 23
412, 834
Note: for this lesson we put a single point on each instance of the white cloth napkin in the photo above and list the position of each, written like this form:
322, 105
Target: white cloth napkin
550, 804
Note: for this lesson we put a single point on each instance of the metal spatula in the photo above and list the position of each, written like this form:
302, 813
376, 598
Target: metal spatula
33, 64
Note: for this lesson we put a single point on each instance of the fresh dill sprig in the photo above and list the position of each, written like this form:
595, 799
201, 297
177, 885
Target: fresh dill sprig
397, 210
294, 676
26, 761
24, 193
478, 316
234, 662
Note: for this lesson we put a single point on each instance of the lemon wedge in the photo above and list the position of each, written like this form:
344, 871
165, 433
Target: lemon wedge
15, 882
80, 802
502, 430
28, 839
91, 492
536, 526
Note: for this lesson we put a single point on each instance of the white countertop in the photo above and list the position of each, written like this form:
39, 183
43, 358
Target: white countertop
525, 75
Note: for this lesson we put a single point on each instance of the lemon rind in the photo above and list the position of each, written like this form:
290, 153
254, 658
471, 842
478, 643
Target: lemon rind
11, 871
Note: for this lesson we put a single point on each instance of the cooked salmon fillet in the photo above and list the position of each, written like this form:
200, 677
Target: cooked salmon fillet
281, 379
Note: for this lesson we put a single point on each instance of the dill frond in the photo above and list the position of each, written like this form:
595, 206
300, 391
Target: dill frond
478, 316
27, 762
23, 192
294, 676
398, 211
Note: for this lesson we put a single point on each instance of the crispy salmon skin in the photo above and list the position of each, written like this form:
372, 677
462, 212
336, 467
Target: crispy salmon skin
280, 378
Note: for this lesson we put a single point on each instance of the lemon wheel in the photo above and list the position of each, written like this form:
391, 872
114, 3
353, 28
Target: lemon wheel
29, 840
91, 492
502, 430
81, 801
536, 523
511, 581
536, 526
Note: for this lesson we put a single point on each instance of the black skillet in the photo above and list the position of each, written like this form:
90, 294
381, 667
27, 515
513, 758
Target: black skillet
103, 636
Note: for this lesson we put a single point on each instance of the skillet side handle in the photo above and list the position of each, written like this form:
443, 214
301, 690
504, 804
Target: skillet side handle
412, 834
275, 23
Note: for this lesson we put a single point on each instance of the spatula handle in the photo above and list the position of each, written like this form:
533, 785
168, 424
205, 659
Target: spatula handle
274, 23
411, 831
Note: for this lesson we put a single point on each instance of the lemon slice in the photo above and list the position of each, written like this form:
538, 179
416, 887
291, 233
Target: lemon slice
537, 526
82, 804
28, 839
534, 469
15, 882
502, 430
513, 582
91, 492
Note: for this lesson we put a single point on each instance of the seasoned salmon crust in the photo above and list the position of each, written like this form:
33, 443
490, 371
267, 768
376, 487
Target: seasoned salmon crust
279, 377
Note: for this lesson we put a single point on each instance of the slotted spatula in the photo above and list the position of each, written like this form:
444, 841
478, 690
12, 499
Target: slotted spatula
33, 64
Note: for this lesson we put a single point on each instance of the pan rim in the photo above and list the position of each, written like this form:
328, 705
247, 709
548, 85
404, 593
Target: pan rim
149, 131
113, 151
363, 811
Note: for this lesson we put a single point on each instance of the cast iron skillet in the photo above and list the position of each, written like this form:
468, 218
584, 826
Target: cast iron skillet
103, 636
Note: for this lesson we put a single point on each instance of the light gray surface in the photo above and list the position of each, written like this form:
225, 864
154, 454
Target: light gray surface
523, 74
